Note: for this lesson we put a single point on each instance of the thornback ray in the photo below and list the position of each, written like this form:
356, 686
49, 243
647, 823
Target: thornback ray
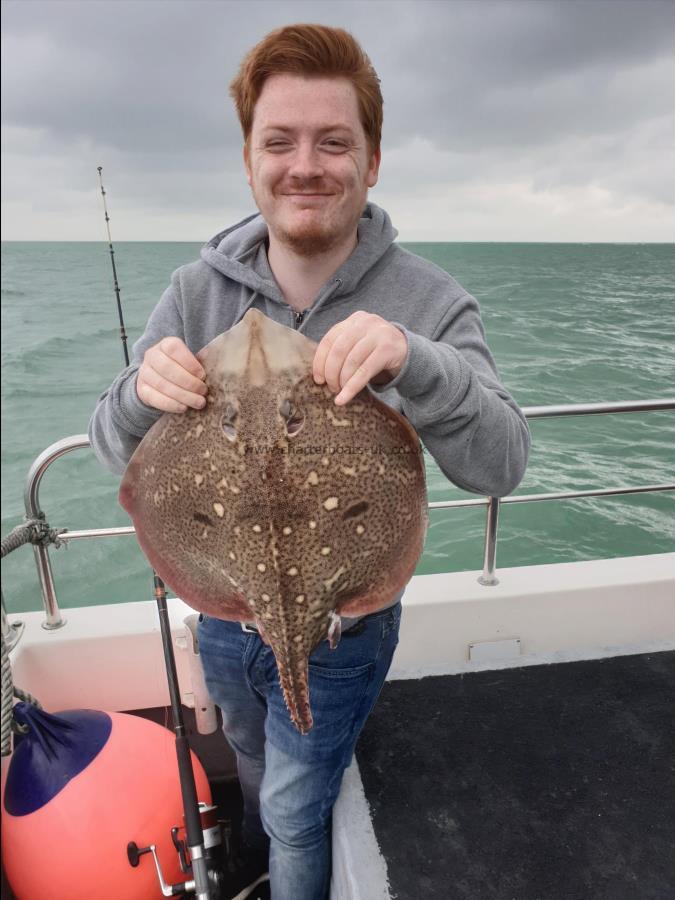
273, 506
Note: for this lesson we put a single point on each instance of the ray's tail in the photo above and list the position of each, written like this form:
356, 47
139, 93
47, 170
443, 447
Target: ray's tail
295, 687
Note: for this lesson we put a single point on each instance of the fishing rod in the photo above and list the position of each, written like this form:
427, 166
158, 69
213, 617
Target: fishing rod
123, 334
201, 828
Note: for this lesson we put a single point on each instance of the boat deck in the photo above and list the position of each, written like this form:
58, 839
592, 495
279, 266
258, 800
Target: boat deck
536, 783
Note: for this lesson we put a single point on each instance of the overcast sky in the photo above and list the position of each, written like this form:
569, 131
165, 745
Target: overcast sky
512, 120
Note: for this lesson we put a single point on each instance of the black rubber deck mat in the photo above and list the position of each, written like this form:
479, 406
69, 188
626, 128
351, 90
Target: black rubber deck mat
548, 782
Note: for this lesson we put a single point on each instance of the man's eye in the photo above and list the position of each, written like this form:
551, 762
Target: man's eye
334, 144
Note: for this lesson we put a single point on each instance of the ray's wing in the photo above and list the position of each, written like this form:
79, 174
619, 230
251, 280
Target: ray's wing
378, 527
180, 519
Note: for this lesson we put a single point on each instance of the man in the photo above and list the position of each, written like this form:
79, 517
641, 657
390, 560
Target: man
321, 259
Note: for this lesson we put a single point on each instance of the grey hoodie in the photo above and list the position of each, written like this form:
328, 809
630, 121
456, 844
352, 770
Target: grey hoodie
448, 388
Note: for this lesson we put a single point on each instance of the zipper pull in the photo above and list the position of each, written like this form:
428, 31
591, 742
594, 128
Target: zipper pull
299, 316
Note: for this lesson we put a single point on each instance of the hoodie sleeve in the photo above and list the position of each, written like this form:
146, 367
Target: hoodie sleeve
121, 419
451, 393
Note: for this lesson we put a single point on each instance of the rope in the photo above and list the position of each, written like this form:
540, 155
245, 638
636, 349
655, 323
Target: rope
9, 692
7, 700
34, 531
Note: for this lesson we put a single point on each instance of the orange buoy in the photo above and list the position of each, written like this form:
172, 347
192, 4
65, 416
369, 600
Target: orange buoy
80, 786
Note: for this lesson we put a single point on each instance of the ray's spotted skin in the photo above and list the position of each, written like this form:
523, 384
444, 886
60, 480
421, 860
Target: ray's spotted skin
271, 505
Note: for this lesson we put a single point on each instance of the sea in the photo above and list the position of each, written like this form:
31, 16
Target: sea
567, 323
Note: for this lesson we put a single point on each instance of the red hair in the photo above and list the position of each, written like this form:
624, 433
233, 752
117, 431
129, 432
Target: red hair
310, 50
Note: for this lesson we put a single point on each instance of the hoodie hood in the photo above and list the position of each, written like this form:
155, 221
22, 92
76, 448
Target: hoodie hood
240, 252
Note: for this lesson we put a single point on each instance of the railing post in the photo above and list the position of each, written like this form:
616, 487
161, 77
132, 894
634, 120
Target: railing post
31, 498
53, 619
491, 521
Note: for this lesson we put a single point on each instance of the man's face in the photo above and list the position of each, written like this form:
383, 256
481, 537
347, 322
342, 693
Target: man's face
308, 161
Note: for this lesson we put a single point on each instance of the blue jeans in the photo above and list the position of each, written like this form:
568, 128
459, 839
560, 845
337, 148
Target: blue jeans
290, 781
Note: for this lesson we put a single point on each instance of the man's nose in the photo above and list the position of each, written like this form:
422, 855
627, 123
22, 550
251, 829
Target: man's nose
306, 161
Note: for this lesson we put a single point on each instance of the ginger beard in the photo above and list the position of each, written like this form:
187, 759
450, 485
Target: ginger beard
311, 230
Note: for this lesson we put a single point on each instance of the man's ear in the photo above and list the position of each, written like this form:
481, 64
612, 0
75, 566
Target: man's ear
247, 162
374, 167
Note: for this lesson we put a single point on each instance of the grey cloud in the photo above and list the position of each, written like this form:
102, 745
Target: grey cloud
513, 74
549, 93
156, 73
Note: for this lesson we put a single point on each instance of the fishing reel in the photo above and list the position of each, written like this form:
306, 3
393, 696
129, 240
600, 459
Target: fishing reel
212, 843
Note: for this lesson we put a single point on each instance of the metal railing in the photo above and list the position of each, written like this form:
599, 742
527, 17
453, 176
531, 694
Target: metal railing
493, 504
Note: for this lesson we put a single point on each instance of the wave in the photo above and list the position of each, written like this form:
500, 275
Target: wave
57, 345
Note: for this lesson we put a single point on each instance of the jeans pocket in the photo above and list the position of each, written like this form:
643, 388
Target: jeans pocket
347, 673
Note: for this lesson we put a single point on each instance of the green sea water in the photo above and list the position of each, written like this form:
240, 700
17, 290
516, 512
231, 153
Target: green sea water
567, 323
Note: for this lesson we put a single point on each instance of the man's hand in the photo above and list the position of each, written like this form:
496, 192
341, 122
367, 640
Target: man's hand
363, 348
171, 378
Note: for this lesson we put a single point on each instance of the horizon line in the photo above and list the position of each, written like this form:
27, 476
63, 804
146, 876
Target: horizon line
408, 241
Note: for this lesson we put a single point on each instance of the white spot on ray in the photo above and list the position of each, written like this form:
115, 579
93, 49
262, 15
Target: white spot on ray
300, 598
330, 503
328, 584
257, 529
287, 529
340, 423
219, 509
312, 478
199, 479
325, 551
261, 567
360, 529
292, 571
